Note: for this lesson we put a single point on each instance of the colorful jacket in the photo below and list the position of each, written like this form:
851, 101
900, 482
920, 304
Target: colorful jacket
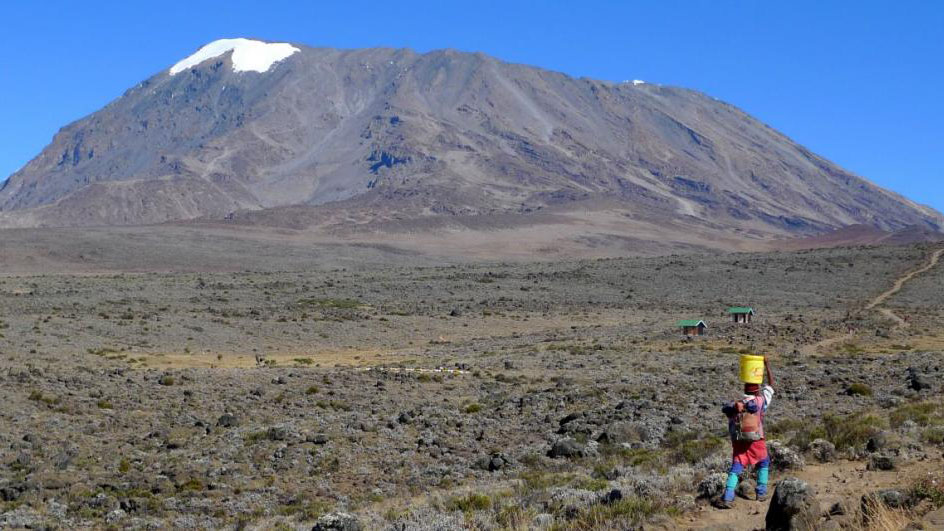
751, 402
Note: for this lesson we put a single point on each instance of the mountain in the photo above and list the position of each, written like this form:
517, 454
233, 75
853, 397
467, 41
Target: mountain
358, 141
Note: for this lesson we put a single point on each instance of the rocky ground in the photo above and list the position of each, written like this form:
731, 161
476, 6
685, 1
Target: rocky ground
543, 395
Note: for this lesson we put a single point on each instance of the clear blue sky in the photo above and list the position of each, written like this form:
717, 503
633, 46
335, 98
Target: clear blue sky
859, 82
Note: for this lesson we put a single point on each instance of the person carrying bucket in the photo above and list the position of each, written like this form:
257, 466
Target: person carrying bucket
746, 427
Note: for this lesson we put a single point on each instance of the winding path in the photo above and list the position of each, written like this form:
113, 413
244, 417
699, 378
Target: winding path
878, 300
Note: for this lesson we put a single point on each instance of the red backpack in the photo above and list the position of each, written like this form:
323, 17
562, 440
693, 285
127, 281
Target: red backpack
749, 426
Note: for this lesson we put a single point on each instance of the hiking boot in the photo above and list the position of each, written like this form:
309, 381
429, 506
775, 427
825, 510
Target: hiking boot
762, 497
721, 503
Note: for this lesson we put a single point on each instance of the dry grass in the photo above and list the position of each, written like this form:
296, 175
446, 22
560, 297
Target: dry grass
879, 517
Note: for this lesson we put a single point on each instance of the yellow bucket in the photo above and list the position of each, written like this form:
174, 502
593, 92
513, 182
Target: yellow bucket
752, 369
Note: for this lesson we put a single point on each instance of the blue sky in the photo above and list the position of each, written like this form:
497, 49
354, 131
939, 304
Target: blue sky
858, 82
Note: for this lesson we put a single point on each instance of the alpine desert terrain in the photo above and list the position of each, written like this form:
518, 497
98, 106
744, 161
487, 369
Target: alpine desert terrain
520, 395
282, 287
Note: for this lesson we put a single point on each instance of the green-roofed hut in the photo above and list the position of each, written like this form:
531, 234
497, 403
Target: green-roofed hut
692, 327
741, 314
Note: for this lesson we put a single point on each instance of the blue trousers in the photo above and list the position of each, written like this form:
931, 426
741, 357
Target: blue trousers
763, 472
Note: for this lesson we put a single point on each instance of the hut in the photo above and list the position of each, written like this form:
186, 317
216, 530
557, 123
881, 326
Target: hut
741, 314
692, 327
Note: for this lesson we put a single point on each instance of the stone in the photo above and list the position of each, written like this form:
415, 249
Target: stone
277, 433
492, 463
782, 457
618, 433
337, 522
881, 462
113, 517
823, 451
917, 381
568, 448
837, 509
612, 496
227, 421
793, 507
746, 488
876, 442
317, 438
891, 498
543, 521
712, 486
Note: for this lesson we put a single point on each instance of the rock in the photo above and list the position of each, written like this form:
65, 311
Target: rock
823, 451
782, 457
115, 516
612, 496
567, 448
917, 381
317, 438
279, 380
746, 488
570, 502
881, 462
569, 418
10, 493
492, 463
337, 522
277, 433
876, 442
22, 517
456, 312
543, 521
934, 519
837, 509
891, 498
618, 433
793, 507
712, 486
227, 421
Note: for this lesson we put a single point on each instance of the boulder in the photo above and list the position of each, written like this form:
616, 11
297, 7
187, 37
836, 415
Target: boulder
881, 462
782, 457
618, 433
746, 488
568, 448
277, 433
823, 451
876, 442
227, 421
337, 522
712, 486
891, 498
917, 381
492, 463
793, 507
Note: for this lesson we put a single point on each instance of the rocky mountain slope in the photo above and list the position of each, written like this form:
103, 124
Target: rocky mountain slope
390, 135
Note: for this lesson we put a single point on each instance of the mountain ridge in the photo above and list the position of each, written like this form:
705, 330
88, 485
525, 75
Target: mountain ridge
394, 134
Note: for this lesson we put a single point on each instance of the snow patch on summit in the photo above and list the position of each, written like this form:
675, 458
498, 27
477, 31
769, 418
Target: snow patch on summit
248, 55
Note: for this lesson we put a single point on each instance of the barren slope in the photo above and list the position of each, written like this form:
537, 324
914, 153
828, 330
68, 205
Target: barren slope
399, 135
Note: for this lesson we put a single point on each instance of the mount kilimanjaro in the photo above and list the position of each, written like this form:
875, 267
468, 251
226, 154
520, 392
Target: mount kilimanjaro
389, 141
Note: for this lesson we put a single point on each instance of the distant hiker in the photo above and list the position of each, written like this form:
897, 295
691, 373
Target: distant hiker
746, 427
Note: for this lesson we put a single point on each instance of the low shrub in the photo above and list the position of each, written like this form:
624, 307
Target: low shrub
921, 413
859, 389
468, 503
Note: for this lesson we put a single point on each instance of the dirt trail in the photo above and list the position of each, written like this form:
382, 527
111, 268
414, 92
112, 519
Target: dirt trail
811, 349
880, 299
901, 281
843, 481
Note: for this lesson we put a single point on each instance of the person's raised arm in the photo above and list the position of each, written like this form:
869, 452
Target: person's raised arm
770, 375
